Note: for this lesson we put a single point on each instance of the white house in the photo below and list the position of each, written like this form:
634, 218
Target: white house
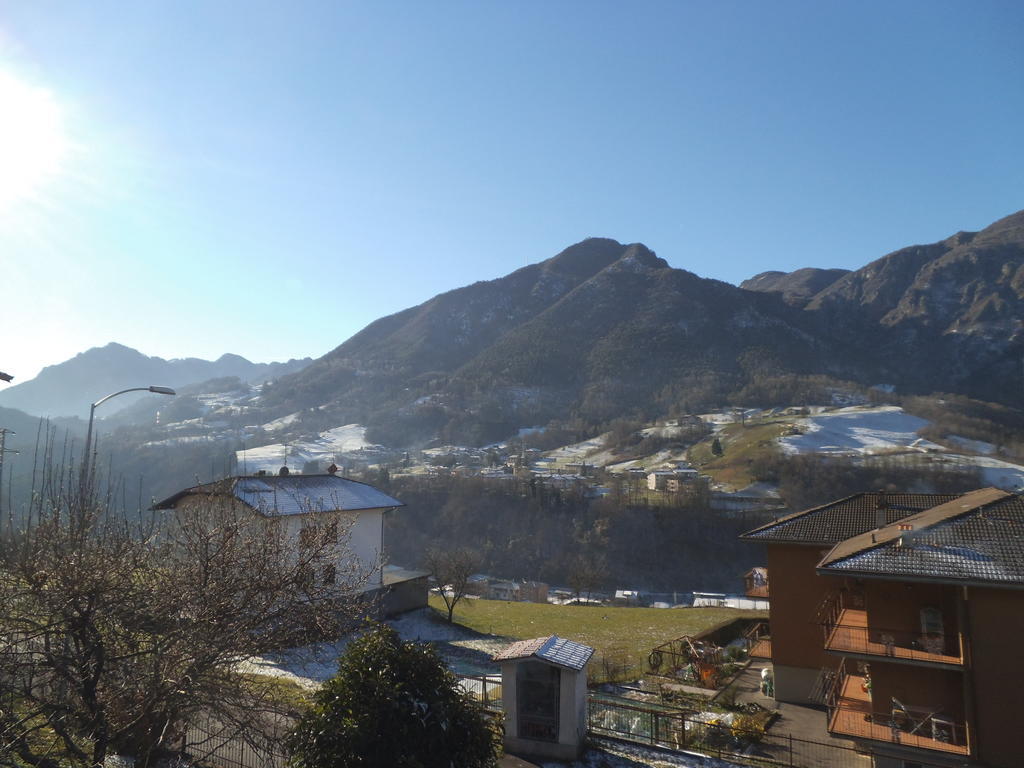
327, 507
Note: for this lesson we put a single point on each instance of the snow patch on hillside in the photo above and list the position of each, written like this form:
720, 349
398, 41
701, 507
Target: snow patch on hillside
858, 430
877, 431
284, 421
329, 445
575, 453
995, 472
975, 446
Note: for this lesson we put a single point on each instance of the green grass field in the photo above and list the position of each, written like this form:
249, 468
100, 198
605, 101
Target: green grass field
742, 445
626, 635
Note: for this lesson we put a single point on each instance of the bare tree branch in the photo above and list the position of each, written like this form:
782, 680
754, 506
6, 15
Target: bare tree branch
114, 635
451, 568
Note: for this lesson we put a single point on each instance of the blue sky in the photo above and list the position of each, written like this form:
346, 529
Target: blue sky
267, 178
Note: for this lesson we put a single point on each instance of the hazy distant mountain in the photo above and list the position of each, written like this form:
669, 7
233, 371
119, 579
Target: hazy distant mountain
67, 389
604, 330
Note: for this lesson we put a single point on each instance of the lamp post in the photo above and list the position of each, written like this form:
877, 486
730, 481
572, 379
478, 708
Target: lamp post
92, 414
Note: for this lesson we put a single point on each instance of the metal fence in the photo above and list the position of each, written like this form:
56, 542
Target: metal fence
686, 730
210, 743
486, 689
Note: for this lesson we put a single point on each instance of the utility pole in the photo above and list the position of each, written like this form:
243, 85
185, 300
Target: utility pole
3, 438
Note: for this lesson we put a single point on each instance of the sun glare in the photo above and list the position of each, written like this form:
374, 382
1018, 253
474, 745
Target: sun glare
32, 140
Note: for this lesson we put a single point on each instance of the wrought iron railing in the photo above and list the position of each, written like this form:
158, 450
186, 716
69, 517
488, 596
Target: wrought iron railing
852, 713
759, 640
847, 629
741, 741
486, 689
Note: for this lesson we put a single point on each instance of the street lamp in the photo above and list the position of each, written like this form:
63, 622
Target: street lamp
92, 414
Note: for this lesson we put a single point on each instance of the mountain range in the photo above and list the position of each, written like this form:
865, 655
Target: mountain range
67, 388
606, 330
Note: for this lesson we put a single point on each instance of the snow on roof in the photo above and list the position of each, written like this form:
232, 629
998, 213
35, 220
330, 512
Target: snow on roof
553, 649
842, 519
276, 495
977, 538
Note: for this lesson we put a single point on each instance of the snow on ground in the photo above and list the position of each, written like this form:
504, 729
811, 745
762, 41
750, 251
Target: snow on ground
312, 665
665, 431
974, 446
762, 490
721, 418
284, 421
718, 420
465, 651
179, 440
659, 460
351, 437
995, 472
330, 444
873, 431
858, 430
577, 452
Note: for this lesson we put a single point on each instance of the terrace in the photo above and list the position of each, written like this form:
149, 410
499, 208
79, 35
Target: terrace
850, 714
759, 638
847, 631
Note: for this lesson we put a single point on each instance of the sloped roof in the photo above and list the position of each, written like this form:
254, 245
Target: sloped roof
553, 649
277, 495
976, 538
839, 520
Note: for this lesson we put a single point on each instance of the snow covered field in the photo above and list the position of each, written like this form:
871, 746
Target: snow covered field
875, 431
311, 665
577, 451
330, 444
858, 431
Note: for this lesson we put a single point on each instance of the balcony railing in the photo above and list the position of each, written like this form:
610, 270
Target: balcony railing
759, 641
852, 714
846, 631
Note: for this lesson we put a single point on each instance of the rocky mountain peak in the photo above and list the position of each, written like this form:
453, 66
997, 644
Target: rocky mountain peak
585, 258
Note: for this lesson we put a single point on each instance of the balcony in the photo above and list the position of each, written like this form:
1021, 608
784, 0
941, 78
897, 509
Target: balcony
759, 641
846, 632
755, 583
850, 714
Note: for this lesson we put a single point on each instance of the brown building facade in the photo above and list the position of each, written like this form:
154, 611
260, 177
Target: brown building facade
915, 633
795, 544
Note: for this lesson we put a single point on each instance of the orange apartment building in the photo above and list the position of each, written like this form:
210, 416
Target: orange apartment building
916, 629
795, 545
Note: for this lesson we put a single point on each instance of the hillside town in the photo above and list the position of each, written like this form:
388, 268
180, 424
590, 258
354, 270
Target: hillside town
511, 384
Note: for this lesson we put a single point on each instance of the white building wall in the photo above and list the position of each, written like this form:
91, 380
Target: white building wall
360, 534
359, 540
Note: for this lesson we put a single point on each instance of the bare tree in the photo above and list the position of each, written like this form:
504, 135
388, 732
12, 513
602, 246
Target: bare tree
451, 568
112, 636
585, 574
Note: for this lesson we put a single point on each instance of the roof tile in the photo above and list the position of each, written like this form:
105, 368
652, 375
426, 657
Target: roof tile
982, 543
275, 495
845, 518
